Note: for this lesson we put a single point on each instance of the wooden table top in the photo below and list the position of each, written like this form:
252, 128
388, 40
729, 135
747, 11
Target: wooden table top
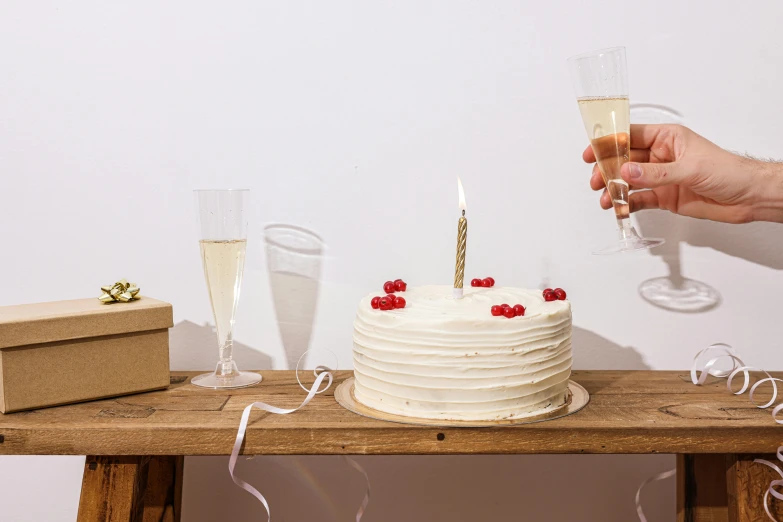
629, 412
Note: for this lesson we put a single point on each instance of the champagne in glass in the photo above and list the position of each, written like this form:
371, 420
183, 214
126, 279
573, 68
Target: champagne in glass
223, 228
224, 262
601, 85
607, 124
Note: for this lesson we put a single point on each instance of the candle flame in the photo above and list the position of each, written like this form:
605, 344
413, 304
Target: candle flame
462, 205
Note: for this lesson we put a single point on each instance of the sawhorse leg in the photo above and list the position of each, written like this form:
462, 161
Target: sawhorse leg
131, 489
724, 488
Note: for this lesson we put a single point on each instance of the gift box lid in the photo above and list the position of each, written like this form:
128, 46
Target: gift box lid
22, 325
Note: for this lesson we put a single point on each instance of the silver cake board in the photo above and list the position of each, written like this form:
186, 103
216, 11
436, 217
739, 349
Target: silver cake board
576, 399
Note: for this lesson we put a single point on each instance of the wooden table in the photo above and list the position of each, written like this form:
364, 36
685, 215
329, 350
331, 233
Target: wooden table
136, 444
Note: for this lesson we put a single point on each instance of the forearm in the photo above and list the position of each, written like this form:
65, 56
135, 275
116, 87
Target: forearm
768, 200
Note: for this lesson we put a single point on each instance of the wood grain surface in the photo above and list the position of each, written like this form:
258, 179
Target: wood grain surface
629, 412
113, 489
747, 482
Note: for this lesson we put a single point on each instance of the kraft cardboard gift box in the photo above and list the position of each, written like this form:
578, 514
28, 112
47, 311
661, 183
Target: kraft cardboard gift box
72, 351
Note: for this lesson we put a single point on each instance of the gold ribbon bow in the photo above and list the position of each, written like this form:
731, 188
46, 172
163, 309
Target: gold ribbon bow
121, 291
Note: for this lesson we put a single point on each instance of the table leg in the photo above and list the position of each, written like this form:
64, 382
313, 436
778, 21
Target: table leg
131, 489
747, 482
701, 488
163, 498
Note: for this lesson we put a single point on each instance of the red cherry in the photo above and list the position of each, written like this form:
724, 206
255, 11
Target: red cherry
560, 294
497, 310
509, 312
504, 306
400, 285
388, 287
519, 310
491, 281
386, 304
399, 302
475, 282
550, 296
391, 296
486, 283
375, 303
548, 290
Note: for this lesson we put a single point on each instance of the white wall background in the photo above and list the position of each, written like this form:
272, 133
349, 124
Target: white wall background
353, 119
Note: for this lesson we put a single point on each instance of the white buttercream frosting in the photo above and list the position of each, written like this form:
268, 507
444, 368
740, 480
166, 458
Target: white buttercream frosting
451, 359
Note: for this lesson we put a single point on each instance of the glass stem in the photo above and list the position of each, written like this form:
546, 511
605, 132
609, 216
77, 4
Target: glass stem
626, 229
226, 364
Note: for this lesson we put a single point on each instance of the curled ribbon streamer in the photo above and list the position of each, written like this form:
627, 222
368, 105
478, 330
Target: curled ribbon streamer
774, 483
659, 476
232, 460
355, 465
321, 372
699, 374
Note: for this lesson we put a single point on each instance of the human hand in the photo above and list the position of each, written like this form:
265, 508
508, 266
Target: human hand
691, 176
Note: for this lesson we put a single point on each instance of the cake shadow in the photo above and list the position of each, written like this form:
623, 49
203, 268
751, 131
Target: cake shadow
194, 347
593, 352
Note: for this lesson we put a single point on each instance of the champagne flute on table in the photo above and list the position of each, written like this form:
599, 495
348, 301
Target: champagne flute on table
601, 84
222, 216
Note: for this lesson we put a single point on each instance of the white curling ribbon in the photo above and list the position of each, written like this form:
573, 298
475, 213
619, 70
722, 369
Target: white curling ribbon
355, 465
321, 373
659, 476
722, 351
775, 483
699, 374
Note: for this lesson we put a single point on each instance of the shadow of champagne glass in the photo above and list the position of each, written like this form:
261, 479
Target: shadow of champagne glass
673, 292
294, 256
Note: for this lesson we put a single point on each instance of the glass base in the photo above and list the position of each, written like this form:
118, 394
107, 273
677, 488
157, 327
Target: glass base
226, 378
629, 241
689, 296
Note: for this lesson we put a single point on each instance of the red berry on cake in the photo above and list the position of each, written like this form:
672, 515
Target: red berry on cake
391, 296
486, 283
386, 304
475, 282
547, 290
491, 281
399, 302
400, 285
388, 287
376, 302
560, 293
550, 296
504, 306
509, 312
497, 310
519, 310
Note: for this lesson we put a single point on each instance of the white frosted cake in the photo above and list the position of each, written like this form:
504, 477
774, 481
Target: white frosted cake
451, 359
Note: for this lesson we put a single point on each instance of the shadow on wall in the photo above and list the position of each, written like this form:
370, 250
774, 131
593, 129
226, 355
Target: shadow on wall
423, 488
754, 242
673, 292
194, 347
593, 352
294, 257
